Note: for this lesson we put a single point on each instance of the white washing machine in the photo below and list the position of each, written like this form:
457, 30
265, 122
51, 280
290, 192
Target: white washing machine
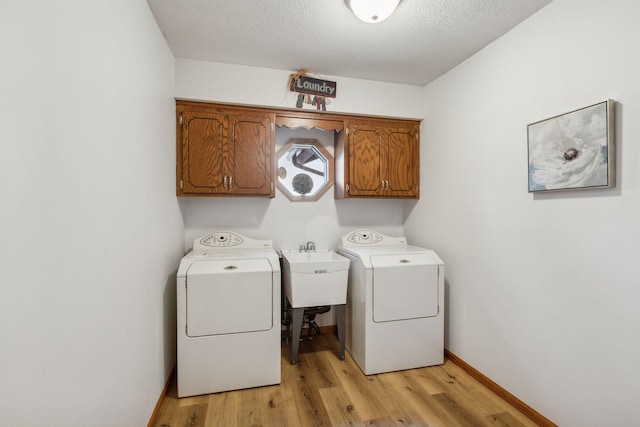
228, 296
395, 303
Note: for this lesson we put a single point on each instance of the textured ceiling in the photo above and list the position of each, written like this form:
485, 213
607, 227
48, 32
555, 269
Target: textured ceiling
422, 40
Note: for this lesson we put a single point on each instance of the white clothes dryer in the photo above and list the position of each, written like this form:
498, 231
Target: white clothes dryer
228, 315
395, 303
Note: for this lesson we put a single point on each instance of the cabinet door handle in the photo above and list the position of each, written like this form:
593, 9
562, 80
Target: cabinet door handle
230, 181
225, 181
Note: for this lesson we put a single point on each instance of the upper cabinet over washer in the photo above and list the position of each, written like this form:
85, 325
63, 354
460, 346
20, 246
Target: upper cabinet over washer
224, 151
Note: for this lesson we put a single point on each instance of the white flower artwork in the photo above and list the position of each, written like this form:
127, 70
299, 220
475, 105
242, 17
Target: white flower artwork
573, 150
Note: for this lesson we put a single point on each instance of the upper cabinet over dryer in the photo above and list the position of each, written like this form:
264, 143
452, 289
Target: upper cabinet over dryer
379, 158
224, 150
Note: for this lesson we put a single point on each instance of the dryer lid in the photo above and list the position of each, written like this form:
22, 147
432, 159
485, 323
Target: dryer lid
402, 260
368, 254
405, 286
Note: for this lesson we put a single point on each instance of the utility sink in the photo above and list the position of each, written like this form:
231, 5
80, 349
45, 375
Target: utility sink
315, 278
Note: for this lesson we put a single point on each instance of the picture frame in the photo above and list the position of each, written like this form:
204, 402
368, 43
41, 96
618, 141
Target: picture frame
574, 150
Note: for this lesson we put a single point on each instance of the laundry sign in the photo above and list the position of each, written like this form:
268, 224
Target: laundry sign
311, 86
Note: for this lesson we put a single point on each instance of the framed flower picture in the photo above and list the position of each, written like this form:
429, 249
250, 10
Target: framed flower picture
575, 150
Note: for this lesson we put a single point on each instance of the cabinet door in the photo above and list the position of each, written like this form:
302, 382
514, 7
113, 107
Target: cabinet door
202, 152
365, 161
249, 163
401, 160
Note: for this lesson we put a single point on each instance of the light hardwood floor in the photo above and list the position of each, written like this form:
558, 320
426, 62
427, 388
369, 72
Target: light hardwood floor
324, 391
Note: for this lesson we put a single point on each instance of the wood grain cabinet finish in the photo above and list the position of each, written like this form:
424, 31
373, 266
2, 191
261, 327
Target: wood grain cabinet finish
224, 151
380, 159
230, 151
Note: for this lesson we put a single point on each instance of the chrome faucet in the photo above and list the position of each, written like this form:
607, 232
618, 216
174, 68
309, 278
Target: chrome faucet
311, 247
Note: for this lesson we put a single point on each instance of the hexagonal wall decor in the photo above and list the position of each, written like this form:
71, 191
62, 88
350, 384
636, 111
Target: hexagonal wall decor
305, 169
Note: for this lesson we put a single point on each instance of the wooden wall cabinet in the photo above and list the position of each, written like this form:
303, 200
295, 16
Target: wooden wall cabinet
224, 151
227, 150
378, 159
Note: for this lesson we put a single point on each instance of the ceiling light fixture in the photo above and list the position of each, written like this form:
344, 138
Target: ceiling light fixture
372, 11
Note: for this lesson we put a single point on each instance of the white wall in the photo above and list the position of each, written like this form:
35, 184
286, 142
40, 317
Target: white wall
91, 229
543, 290
238, 84
291, 223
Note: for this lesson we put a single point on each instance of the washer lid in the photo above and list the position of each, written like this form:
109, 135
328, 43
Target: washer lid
229, 296
227, 254
228, 266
